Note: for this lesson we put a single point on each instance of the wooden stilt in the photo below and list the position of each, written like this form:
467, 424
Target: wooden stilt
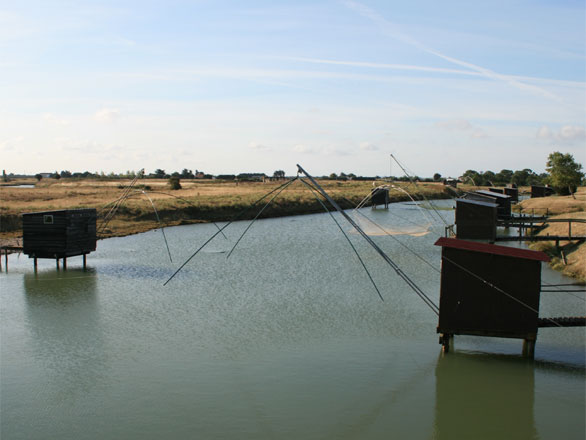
84, 261
57, 262
6, 259
529, 348
447, 341
35, 263
64, 263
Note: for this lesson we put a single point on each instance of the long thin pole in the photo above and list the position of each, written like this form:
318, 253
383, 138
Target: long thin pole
397, 269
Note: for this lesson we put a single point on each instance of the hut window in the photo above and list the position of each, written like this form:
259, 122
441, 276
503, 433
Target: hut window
48, 219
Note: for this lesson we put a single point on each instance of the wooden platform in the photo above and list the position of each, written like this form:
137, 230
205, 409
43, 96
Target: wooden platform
573, 321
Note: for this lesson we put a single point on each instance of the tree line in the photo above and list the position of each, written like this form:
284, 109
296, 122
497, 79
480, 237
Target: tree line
563, 174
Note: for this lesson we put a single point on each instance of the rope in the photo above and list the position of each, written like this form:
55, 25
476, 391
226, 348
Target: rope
401, 243
236, 217
346, 236
259, 213
162, 228
498, 289
391, 263
423, 195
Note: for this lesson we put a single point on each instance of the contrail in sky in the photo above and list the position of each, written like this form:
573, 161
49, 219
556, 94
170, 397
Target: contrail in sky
390, 29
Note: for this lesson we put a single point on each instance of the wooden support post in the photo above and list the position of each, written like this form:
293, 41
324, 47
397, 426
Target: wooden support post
64, 263
57, 262
447, 341
6, 259
35, 263
84, 261
570, 229
529, 348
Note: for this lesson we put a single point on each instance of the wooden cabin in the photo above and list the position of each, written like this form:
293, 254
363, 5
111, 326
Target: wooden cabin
503, 201
380, 196
513, 193
476, 220
541, 191
59, 234
489, 290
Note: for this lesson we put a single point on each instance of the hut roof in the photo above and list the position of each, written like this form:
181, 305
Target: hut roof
491, 249
477, 202
492, 194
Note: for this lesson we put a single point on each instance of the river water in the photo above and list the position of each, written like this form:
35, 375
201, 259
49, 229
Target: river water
286, 339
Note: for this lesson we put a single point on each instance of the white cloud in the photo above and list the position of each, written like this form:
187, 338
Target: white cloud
567, 133
107, 115
544, 132
368, 146
256, 146
572, 133
53, 119
303, 149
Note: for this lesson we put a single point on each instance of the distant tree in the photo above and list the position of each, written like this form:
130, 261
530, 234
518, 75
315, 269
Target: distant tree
437, 177
174, 182
351, 176
343, 176
503, 177
472, 176
187, 174
4, 176
333, 176
65, 174
159, 174
56, 175
564, 173
38, 176
279, 174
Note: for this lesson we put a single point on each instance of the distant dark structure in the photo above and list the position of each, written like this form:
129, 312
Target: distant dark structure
513, 193
476, 220
380, 196
497, 190
59, 234
451, 182
541, 191
503, 201
489, 290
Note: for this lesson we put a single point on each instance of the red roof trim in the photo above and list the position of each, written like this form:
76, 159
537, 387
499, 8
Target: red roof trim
491, 249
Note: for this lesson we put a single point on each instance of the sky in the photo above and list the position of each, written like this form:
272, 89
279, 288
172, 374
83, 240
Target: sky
257, 86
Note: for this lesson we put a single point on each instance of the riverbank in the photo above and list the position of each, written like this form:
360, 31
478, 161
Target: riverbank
570, 257
196, 202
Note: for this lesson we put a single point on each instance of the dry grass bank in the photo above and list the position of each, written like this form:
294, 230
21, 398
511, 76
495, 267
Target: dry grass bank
570, 257
196, 201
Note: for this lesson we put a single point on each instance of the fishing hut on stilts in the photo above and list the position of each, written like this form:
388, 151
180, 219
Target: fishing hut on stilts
59, 234
491, 290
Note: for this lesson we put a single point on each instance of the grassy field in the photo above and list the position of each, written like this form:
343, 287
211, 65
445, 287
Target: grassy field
196, 201
574, 263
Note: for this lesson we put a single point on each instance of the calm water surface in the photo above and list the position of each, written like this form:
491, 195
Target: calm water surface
286, 339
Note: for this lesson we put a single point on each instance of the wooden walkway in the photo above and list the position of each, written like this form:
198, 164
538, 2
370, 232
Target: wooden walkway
541, 238
574, 321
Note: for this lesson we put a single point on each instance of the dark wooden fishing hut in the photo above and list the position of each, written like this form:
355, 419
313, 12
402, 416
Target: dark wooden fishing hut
489, 290
451, 182
380, 196
503, 201
540, 191
476, 220
513, 193
59, 234
497, 190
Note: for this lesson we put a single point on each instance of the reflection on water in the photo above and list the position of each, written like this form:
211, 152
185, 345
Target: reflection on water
62, 315
473, 389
